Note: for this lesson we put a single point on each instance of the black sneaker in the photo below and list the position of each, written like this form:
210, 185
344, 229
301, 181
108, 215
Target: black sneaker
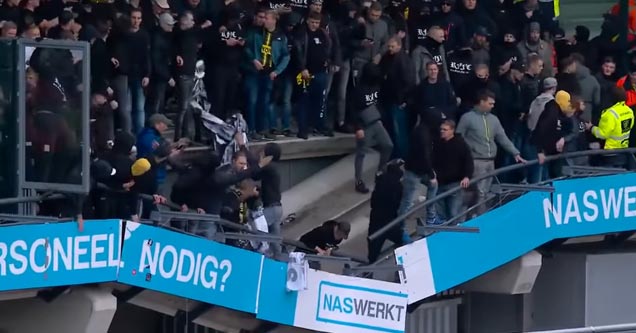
267, 136
289, 133
303, 136
276, 132
256, 137
361, 187
327, 133
347, 129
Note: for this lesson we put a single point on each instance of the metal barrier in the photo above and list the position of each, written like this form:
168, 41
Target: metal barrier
495, 173
595, 329
509, 191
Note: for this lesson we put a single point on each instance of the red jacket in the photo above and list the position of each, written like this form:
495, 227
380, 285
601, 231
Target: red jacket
630, 90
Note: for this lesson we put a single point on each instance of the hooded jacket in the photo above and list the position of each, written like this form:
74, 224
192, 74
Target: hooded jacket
590, 90
385, 199
418, 160
460, 67
430, 51
536, 109
551, 127
543, 49
122, 204
482, 131
454, 29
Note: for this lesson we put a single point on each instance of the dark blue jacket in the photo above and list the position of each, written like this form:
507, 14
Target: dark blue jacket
145, 142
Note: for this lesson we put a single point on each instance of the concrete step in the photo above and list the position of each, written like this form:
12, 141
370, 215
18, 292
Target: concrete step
328, 194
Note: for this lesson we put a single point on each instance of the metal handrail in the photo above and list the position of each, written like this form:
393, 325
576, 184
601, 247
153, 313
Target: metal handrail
171, 205
595, 329
475, 180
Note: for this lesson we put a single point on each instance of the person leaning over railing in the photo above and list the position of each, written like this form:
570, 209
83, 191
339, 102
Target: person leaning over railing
614, 127
552, 127
482, 132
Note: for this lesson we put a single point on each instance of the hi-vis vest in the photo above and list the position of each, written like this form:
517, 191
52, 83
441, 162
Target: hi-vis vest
615, 125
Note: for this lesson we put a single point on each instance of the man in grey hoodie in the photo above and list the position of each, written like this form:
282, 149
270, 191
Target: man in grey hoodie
590, 88
482, 131
533, 44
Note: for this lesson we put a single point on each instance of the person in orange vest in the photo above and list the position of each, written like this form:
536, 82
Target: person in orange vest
628, 82
631, 17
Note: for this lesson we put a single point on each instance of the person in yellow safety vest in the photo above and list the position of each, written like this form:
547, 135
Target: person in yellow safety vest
616, 122
615, 127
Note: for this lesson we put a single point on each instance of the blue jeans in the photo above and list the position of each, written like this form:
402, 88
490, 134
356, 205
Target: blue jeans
410, 185
534, 173
451, 206
400, 123
274, 217
283, 89
258, 87
311, 104
137, 104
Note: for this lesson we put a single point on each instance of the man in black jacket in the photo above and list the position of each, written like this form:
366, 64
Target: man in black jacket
187, 48
312, 53
552, 127
271, 194
326, 238
454, 166
138, 47
419, 170
370, 132
161, 61
223, 54
385, 201
399, 73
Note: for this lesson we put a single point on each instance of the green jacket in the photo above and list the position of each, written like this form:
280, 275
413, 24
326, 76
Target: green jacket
253, 44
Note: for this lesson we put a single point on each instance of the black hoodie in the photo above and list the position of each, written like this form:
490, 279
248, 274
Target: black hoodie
460, 67
386, 197
418, 160
123, 204
454, 29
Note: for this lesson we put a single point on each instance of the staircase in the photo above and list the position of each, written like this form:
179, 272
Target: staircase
588, 13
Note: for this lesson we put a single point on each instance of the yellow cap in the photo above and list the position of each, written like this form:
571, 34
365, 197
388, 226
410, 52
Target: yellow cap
563, 99
140, 167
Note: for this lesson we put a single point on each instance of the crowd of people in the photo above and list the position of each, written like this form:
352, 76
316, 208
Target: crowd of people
445, 90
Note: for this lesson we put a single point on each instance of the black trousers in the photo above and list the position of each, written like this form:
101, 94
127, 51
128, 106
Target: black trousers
375, 246
222, 85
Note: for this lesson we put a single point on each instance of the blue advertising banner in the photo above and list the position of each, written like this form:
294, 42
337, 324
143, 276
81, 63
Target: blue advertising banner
57, 254
577, 208
190, 267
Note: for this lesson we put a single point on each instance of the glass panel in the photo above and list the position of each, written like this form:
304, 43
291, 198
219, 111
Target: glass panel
54, 117
8, 114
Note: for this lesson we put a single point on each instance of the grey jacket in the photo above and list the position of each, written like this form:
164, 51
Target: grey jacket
590, 90
536, 109
482, 132
379, 33
421, 56
543, 49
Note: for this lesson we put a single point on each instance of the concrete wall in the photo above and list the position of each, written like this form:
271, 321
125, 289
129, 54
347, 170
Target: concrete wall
572, 290
81, 310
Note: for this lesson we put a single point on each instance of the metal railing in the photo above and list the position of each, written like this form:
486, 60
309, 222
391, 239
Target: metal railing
595, 329
576, 171
495, 173
249, 233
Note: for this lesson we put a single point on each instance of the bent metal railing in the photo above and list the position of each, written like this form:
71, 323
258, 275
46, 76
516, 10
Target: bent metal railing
577, 171
249, 233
